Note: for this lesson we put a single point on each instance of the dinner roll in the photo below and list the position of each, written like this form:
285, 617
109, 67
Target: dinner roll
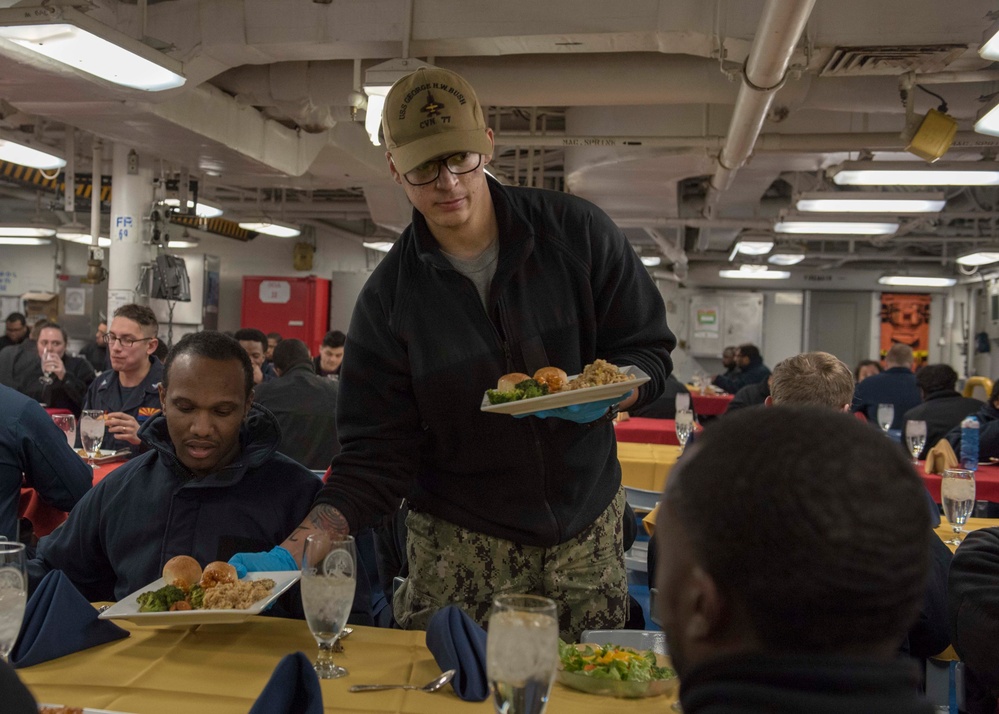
182, 571
553, 377
217, 573
508, 381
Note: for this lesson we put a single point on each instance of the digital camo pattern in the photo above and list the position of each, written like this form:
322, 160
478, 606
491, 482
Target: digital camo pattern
448, 565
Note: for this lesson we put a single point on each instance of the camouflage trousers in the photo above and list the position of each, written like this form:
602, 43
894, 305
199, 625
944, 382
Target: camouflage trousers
449, 565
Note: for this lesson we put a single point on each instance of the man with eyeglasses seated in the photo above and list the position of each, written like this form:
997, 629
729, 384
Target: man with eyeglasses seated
129, 391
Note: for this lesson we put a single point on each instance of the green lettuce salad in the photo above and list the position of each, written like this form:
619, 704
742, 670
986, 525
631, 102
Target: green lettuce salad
612, 662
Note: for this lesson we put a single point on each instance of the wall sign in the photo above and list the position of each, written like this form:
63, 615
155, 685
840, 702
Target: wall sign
275, 291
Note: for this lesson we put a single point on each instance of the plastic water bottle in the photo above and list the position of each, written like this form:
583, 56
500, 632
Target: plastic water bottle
969, 443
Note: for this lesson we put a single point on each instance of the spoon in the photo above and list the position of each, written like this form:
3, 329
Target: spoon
432, 686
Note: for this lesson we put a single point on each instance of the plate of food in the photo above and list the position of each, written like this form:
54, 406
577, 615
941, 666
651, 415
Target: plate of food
552, 388
187, 596
105, 457
616, 671
63, 709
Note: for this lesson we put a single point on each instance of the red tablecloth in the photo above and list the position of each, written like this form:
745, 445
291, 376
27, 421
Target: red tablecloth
710, 404
52, 411
643, 430
986, 483
45, 518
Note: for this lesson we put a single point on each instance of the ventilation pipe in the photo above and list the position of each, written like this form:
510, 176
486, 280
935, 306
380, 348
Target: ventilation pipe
765, 72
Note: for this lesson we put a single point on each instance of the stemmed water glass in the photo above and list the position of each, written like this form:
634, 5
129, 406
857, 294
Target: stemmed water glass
684, 426
957, 491
521, 653
915, 436
329, 576
13, 594
92, 432
67, 422
886, 415
681, 401
46, 377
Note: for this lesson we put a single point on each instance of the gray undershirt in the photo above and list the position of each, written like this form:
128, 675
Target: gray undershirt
480, 270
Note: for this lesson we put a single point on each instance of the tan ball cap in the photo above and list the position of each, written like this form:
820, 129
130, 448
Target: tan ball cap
429, 113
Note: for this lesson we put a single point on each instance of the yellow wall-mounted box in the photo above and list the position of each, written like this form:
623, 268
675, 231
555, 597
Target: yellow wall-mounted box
933, 137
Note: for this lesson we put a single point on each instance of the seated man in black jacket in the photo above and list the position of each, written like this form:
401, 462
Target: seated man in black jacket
787, 594
942, 408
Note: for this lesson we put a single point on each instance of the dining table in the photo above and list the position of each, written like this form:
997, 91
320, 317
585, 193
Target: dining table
223, 668
710, 404
45, 518
645, 430
986, 482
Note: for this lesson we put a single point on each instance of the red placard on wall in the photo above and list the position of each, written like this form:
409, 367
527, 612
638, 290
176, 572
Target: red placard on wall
906, 319
292, 307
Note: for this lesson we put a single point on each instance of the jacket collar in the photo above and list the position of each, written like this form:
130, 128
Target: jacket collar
941, 394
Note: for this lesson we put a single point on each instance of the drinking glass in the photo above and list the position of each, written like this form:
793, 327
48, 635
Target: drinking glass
886, 415
521, 653
13, 594
92, 431
915, 435
682, 401
684, 426
67, 422
329, 576
46, 377
957, 491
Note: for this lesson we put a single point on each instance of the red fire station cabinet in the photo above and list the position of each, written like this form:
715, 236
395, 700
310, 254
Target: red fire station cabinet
292, 307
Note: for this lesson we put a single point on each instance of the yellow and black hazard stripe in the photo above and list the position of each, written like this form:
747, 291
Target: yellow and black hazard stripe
218, 226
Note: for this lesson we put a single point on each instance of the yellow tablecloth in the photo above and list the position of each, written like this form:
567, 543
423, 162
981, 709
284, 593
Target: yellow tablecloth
946, 532
222, 669
646, 466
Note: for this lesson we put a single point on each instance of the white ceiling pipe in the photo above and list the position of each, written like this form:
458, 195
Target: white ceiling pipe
781, 24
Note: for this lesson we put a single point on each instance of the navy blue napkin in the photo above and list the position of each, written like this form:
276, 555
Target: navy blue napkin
458, 642
59, 621
292, 689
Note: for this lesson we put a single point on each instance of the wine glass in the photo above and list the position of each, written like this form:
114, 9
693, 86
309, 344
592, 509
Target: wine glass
92, 432
957, 491
684, 426
329, 576
521, 653
886, 415
915, 435
46, 377
67, 422
682, 401
13, 594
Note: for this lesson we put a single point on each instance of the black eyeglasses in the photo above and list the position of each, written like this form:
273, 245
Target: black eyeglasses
126, 341
463, 162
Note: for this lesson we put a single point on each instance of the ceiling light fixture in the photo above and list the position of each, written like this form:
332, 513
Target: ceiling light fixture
752, 245
979, 256
78, 234
651, 261
917, 281
23, 240
382, 245
754, 272
988, 118
188, 242
22, 151
14, 230
787, 255
269, 226
76, 40
870, 202
203, 209
990, 43
859, 228
377, 82
911, 173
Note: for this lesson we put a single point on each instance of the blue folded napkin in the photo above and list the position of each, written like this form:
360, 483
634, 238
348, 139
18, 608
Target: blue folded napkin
292, 689
458, 642
59, 621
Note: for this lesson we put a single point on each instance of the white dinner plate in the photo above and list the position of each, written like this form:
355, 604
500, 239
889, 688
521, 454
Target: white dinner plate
128, 607
86, 710
107, 456
568, 398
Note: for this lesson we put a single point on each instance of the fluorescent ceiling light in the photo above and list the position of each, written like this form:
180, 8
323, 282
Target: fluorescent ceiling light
23, 240
755, 272
12, 230
783, 257
204, 209
76, 40
754, 246
988, 119
383, 245
377, 82
870, 202
81, 237
990, 43
651, 261
911, 173
271, 227
980, 256
860, 228
20, 152
183, 243
917, 281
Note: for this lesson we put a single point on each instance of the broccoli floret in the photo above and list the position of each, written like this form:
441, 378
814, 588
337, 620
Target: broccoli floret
497, 397
196, 597
160, 600
529, 388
